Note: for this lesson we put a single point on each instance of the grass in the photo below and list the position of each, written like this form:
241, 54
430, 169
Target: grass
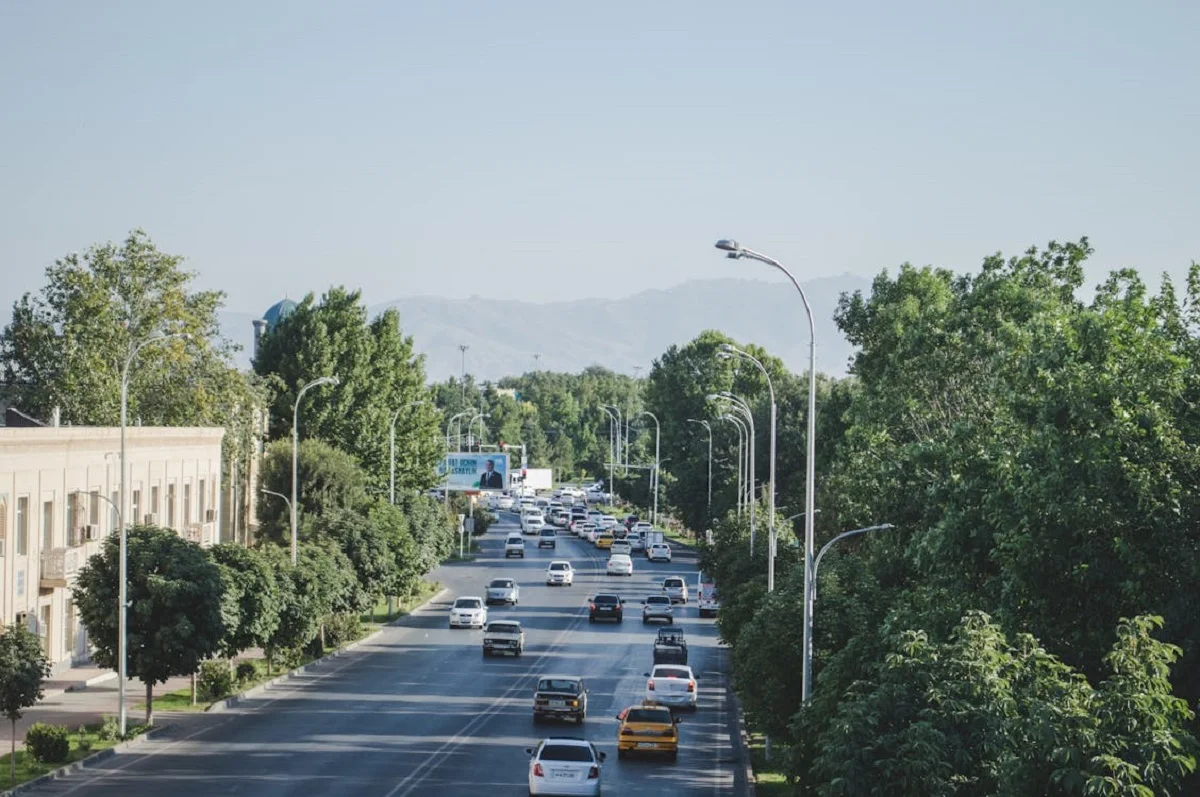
770, 781
379, 615
28, 769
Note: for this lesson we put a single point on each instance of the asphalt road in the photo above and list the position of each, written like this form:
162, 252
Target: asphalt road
419, 711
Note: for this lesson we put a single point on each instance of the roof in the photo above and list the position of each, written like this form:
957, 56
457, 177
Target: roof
277, 312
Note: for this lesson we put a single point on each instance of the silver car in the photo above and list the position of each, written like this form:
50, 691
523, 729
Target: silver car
675, 588
658, 607
503, 590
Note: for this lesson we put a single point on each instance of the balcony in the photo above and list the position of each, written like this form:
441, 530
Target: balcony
59, 566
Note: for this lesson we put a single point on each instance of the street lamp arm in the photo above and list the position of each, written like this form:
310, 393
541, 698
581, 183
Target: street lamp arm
770, 261
842, 536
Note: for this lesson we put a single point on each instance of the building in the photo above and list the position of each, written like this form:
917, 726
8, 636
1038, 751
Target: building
271, 318
53, 514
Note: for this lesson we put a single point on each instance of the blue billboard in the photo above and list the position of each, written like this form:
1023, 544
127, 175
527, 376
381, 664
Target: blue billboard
474, 471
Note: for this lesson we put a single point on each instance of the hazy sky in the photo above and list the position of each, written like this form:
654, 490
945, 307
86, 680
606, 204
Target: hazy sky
564, 149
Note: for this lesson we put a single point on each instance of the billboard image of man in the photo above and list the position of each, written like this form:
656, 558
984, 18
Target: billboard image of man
490, 479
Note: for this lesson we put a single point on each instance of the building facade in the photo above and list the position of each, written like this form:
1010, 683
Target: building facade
53, 512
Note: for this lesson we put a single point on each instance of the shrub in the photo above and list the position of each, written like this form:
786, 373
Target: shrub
47, 744
110, 729
246, 671
214, 681
289, 658
342, 628
85, 741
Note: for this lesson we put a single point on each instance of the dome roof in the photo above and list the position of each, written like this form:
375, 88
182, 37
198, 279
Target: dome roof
277, 312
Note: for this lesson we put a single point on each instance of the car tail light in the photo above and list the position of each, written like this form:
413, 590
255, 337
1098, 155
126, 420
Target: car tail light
538, 772
594, 772
650, 684
691, 686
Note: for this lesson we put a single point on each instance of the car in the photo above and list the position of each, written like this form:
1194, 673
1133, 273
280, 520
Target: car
595, 515
547, 538
708, 599
609, 522
604, 540
670, 647
565, 766
560, 573
630, 520
468, 612
592, 533
584, 529
514, 546
641, 527
659, 552
503, 636
559, 518
606, 606
647, 728
675, 588
505, 503
658, 607
619, 564
672, 685
563, 696
636, 541
531, 521
620, 546
503, 590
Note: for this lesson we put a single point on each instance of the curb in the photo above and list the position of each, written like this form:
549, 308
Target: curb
80, 686
233, 702
82, 763
751, 781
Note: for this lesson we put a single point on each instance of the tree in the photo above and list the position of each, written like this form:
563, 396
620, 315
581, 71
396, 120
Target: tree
365, 545
252, 588
321, 583
23, 666
327, 479
175, 597
380, 376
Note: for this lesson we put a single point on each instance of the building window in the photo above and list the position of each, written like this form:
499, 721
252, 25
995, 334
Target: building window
153, 508
171, 505
94, 508
23, 525
187, 504
47, 525
137, 506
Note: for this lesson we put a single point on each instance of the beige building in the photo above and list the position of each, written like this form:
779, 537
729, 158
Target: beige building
53, 516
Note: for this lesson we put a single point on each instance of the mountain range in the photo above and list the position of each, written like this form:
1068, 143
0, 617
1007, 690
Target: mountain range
620, 334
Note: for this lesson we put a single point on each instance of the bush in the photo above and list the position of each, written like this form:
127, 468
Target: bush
342, 628
289, 658
214, 681
246, 671
85, 741
47, 744
110, 729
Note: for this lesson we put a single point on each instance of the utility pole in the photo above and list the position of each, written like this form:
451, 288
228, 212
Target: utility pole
463, 348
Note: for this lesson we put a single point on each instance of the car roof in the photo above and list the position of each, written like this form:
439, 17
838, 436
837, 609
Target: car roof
559, 677
567, 740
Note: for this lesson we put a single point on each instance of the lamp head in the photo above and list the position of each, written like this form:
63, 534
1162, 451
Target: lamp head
729, 245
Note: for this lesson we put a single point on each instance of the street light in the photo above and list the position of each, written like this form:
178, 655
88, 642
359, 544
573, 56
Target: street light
463, 348
657, 435
737, 404
122, 589
741, 458
617, 410
612, 419
324, 380
479, 418
728, 350
736, 251
450, 424
707, 426
279, 495
392, 449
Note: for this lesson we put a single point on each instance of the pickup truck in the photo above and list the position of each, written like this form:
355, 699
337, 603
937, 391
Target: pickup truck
503, 636
670, 647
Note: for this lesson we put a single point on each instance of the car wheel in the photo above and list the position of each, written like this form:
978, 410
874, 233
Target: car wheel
537, 718
485, 653
674, 754
620, 753
645, 621
591, 619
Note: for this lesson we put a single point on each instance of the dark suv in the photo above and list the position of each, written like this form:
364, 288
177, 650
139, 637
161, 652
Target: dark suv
606, 606
547, 537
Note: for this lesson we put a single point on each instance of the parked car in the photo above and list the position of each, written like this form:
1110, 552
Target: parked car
606, 606
560, 573
675, 588
503, 636
547, 538
619, 564
468, 612
514, 546
565, 766
659, 552
658, 607
563, 696
672, 685
503, 590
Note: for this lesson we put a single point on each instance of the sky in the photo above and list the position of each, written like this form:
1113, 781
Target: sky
556, 150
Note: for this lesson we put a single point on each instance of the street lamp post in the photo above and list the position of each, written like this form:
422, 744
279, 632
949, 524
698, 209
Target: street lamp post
612, 455
450, 425
730, 350
324, 380
392, 449
463, 348
741, 458
708, 427
279, 495
735, 250
479, 417
617, 410
744, 408
122, 589
657, 436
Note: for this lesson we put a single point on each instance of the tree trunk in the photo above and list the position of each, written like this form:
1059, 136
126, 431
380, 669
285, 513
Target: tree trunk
149, 703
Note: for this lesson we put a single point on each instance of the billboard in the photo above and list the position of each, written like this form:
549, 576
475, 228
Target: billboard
474, 471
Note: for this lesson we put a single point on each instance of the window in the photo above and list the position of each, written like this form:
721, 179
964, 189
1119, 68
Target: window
153, 508
187, 504
94, 508
171, 505
47, 525
23, 525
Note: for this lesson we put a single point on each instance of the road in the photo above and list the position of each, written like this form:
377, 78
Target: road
419, 711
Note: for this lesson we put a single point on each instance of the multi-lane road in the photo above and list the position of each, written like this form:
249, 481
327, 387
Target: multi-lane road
419, 711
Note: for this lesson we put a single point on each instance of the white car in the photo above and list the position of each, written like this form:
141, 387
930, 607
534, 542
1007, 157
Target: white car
659, 552
532, 521
641, 527
619, 564
560, 573
505, 503
672, 685
609, 522
468, 612
636, 543
621, 546
514, 546
564, 766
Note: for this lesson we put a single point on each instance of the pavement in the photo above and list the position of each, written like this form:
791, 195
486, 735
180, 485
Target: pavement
419, 711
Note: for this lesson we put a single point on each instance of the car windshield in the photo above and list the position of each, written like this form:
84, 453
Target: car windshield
673, 582
560, 566
671, 672
558, 685
607, 599
501, 583
566, 752
661, 716
504, 628
547, 532
659, 599
515, 541
467, 603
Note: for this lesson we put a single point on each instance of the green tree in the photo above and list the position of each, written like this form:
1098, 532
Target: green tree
252, 588
365, 545
175, 606
379, 376
327, 479
23, 667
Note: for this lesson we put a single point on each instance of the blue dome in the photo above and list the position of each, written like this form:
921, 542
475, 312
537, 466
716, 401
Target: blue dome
277, 312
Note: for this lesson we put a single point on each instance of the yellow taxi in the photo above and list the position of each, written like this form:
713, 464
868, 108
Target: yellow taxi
604, 540
647, 727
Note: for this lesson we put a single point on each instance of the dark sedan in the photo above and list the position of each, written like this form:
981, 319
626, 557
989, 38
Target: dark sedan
606, 606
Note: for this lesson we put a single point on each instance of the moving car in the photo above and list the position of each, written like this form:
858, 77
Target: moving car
658, 607
503, 590
606, 606
560, 573
636, 543
604, 540
659, 552
619, 564
630, 520
564, 767
503, 636
514, 546
648, 728
563, 696
708, 600
675, 588
559, 517
505, 503
620, 546
672, 685
670, 647
531, 521
547, 538
468, 612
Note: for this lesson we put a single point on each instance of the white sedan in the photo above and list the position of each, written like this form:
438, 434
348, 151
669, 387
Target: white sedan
564, 766
468, 612
619, 564
560, 573
659, 552
672, 685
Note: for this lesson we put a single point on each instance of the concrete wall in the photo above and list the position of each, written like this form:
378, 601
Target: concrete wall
47, 533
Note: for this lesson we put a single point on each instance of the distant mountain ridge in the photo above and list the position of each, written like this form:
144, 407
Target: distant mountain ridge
619, 334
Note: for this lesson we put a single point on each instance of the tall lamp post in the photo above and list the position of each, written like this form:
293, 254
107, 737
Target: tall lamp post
736, 251
744, 408
324, 380
462, 347
708, 427
612, 458
617, 410
654, 481
741, 458
392, 449
479, 417
122, 590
